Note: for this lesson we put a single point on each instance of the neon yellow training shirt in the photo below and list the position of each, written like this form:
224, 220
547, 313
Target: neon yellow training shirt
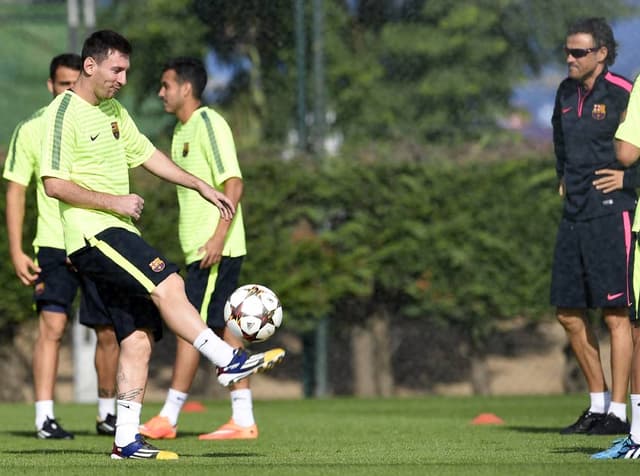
204, 147
629, 130
93, 146
23, 162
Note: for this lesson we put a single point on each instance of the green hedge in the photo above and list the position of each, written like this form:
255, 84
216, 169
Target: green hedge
459, 243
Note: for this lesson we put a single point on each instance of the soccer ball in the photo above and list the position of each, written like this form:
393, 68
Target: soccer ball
253, 312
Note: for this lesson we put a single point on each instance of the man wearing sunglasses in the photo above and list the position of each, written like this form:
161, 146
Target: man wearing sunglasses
591, 265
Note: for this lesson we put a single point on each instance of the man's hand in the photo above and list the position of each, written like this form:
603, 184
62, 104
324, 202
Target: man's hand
220, 200
212, 250
561, 189
609, 181
130, 205
25, 268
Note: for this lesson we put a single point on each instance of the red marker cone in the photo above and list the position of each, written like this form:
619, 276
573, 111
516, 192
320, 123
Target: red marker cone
487, 419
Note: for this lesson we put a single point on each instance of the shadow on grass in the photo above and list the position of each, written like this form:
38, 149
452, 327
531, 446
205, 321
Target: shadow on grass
50, 451
587, 450
533, 429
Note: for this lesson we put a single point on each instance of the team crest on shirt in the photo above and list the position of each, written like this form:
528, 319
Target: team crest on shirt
114, 130
185, 149
157, 265
599, 111
39, 289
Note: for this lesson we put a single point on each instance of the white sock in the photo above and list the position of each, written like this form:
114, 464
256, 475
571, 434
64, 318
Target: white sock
619, 410
635, 417
44, 409
173, 405
599, 402
127, 422
213, 348
106, 406
242, 407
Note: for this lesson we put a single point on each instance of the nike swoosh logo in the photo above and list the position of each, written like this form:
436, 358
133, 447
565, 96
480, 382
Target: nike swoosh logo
611, 297
125, 405
203, 344
566, 109
94, 137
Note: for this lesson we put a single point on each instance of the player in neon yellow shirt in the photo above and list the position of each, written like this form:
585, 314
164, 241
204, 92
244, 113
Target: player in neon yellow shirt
91, 144
55, 285
628, 152
203, 145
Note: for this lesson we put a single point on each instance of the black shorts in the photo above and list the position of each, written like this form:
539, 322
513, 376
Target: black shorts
209, 288
592, 263
57, 284
92, 310
125, 270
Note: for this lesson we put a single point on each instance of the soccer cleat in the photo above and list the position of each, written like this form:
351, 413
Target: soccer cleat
159, 428
106, 426
244, 364
584, 423
621, 448
610, 425
51, 429
231, 431
140, 449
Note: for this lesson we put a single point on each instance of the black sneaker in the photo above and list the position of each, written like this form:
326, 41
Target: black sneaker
610, 425
106, 426
52, 430
584, 423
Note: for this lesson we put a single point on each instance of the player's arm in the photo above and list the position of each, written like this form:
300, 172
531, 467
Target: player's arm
558, 142
23, 265
161, 166
129, 205
626, 152
214, 246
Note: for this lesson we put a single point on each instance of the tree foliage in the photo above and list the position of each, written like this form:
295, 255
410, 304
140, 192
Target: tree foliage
434, 70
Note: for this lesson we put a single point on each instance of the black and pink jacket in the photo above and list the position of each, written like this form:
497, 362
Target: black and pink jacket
584, 127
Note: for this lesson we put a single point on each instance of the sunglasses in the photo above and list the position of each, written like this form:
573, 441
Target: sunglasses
579, 52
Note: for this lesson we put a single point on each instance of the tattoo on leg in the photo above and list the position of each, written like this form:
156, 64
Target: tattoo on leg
131, 394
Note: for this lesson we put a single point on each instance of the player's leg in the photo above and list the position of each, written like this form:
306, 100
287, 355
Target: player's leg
93, 314
133, 367
242, 423
46, 350
54, 291
569, 295
617, 320
129, 262
106, 363
183, 319
586, 349
607, 255
165, 424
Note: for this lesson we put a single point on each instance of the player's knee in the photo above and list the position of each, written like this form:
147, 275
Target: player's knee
171, 286
136, 346
570, 321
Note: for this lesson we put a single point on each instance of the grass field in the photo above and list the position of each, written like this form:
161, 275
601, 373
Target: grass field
431, 435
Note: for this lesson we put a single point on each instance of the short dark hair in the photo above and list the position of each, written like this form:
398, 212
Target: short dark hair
101, 43
190, 70
601, 32
69, 60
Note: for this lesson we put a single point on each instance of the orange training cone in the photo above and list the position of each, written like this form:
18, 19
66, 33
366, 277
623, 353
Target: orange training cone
193, 407
487, 419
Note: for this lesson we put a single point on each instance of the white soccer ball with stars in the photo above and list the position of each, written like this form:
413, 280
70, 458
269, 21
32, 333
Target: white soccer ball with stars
253, 312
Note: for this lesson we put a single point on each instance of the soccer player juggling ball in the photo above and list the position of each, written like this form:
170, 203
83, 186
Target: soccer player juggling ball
90, 145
